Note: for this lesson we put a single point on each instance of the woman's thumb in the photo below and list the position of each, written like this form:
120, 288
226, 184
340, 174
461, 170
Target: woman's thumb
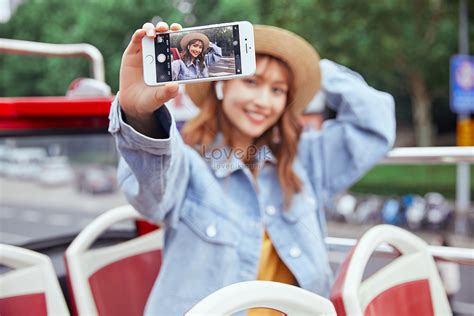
171, 89
164, 94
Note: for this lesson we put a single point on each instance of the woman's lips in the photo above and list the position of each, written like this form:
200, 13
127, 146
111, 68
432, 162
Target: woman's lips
255, 118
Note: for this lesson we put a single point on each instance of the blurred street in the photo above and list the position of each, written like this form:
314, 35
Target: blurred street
29, 211
225, 66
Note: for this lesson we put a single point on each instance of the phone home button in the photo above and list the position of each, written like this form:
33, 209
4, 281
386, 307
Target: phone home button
149, 59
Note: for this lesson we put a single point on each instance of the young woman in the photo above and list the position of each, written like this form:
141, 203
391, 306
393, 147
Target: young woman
242, 193
197, 54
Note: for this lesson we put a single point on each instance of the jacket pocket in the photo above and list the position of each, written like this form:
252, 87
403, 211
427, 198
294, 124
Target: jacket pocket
210, 224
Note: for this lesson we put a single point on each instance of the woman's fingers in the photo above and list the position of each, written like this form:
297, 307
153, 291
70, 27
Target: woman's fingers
161, 27
175, 27
165, 93
135, 43
149, 28
171, 89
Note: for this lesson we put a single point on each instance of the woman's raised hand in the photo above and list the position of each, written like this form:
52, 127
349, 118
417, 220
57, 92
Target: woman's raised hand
136, 98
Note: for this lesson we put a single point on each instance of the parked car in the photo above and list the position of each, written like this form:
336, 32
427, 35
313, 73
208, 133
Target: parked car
56, 171
22, 163
97, 180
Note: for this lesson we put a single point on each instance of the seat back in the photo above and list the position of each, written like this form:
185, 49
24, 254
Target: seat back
31, 287
175, 53
409, 285
113, 280
144, 227
288, 299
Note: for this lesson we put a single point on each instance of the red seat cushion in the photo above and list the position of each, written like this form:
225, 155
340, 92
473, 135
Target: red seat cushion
145, 227
122, 287
410, 298
24, 305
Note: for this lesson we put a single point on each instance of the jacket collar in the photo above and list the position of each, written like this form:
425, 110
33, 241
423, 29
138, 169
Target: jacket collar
190, 63
224, 161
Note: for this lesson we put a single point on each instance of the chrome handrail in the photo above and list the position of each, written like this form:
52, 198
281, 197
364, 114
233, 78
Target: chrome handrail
461, 255
424, 155
11, 46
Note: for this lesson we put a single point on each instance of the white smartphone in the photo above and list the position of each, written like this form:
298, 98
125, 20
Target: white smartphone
205, 53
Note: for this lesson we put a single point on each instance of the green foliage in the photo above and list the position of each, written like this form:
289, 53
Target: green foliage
214, 11
390, 180
106, 24
390, 42
387, 40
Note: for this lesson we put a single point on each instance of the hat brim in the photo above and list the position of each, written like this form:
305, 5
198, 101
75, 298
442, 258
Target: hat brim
195, 35
297, 53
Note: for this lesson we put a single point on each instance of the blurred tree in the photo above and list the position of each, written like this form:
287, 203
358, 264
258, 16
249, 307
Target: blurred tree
221, 11
402, 45
106, 24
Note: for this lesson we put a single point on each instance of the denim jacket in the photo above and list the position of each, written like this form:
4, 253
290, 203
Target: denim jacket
214, 211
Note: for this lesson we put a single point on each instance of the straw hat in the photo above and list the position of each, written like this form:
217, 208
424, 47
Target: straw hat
296, 52
191, 36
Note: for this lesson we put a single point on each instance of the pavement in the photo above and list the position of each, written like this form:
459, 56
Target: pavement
225, 66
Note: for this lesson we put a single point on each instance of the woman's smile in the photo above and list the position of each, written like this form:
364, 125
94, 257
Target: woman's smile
255, 117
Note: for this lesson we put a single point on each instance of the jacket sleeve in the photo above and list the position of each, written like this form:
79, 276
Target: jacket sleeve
213, 55
152, 173
361, 135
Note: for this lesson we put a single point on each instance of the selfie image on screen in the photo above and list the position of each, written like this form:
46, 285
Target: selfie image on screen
203, 53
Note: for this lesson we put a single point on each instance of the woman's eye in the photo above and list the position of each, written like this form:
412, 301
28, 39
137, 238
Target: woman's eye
250, 82
278, 90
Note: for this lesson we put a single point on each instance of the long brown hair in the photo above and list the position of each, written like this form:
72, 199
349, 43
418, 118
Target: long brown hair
282, 138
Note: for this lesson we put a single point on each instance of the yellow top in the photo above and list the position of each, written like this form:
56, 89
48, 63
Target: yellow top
271, 268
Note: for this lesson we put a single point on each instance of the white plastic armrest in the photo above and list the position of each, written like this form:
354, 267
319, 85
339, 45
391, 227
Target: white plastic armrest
87, 237
16, 257
286, 298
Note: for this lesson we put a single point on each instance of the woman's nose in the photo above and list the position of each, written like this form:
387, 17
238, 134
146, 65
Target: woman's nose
263, 98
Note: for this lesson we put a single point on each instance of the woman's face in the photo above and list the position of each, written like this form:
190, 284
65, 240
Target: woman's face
254, 104
195, 48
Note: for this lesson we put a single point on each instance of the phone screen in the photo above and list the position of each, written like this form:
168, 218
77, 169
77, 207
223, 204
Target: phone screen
200, 53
